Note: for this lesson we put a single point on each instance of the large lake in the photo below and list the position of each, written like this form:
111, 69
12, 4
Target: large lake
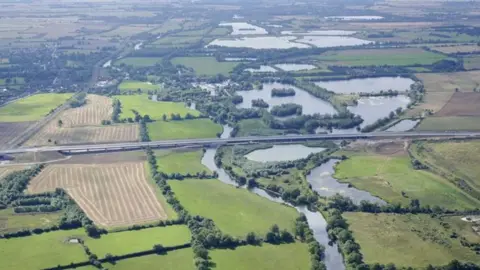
311, 104
243, 28
286, 152
320, 33
367, 85
332, 41
373, 108
268, 42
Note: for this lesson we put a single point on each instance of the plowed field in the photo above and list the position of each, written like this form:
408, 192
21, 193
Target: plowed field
462, 104
110, 194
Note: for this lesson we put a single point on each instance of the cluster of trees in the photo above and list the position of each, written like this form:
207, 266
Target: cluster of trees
237, 99
198, 175
305, 234
78, 100
283, 92
286, 109
36, 209
388, 93
260, 103
311, 122
13, 185
144, 137
117, 109
382, 121
275, 236
178, 117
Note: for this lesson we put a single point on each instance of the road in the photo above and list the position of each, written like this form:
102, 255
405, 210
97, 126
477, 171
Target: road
240, 140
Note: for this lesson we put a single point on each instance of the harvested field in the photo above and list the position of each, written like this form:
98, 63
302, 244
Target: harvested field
4, 171
451, 123
103, 134
462, 104
106, 158
457, 49
98, 108
9, 131
110, 194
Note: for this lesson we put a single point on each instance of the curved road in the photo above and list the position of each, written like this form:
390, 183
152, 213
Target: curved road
240, 140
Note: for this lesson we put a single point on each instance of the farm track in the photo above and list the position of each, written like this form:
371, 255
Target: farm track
111, 195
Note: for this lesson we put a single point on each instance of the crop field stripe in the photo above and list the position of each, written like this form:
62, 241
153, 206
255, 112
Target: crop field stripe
122, 185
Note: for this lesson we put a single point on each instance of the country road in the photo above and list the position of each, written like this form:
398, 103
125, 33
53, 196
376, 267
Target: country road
240, 140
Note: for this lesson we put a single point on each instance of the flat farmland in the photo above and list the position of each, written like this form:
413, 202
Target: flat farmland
144, 87
12, 222
184, 129
471, 62
457, 49
6, 170
31, 108
112, 195
392, 57
128, 30
98, 108
139, 61
461, 104
174, 260
10, 131
155, 109
100, 134
450, 123
180, 161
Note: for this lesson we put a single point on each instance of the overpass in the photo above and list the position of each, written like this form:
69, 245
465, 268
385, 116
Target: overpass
214, 142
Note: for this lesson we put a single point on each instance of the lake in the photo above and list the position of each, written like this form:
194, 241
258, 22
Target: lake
311, 104
243, 28
261, 69
283, 152
373, 108
332, 41
268, 42
320, 33
404, 125
295, 67
367, 85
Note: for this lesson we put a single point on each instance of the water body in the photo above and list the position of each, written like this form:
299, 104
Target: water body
322, 181
269, 42
404, 125
295, 67
367, 85
373, 108
283, 152
243, 28
320, 33
354, 18
226, 132
311, 104
333, 259
332, 41
261, 69
138, 46
238, 59
211, 87
107, 64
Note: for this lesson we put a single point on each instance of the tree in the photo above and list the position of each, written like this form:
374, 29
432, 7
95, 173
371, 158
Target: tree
158, 248
60, 123
164, 117
252, 239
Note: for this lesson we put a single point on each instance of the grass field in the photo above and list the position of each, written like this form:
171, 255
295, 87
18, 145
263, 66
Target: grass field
11, 222
139, 61
392, 57
178, 41
184, 129
174, 260
293, 256
126, 86
406, 240
189, 161
31, 108
255, 127
122, 243
155, 109
452, 123
457, 160
471, 62
208, 66
41, 251
234, 211
388, 176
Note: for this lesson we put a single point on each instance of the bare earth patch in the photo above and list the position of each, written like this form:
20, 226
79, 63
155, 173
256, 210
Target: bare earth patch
462, 104
110, 194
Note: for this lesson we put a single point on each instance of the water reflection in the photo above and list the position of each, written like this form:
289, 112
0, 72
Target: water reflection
373, 108
404, 125
285, 152
367, 85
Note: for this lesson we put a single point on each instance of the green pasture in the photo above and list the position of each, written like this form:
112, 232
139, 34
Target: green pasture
32, 108
183, 129
181, 161
130, 85
11, 222
155, 109
173, 260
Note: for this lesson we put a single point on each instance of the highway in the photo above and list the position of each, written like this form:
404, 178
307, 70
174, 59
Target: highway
213, 142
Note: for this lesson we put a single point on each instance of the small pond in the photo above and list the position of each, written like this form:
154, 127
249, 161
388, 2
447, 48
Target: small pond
283, 152
107, 64
269, 42
373, 108
322, 181
367, 85
311, 104
404, 125
243, 28
295, 67
332, 41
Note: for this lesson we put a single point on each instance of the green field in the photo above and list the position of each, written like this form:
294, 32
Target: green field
121, 243
371, 57
155, 109
13, 81
450, 123
11, 222
177, 41
174, 260
255, 127
171, 214
184, 129
205, 65
388, 176
126, 86
406, 240
471, 62
41, 251
267, 257
454, 159
220, 31
31, 108
235, 211
171, 161
139, 62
